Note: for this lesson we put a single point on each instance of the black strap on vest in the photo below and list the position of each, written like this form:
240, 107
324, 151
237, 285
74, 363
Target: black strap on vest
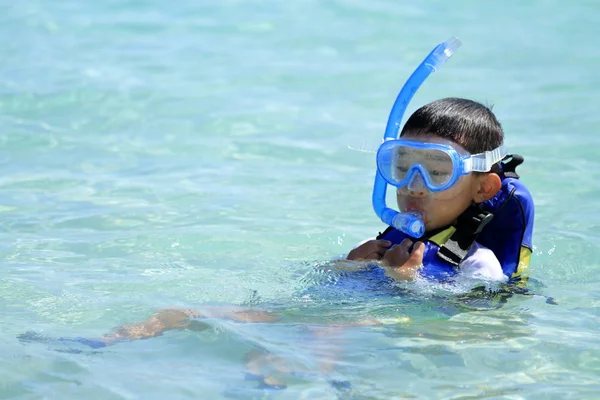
469, 225
425, 237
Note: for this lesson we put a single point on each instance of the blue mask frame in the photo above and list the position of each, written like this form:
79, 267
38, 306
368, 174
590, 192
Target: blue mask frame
461, 164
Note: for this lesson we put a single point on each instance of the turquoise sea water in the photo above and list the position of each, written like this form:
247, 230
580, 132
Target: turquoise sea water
174, 154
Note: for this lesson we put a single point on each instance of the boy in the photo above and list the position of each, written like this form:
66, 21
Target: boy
465, 125
469, 128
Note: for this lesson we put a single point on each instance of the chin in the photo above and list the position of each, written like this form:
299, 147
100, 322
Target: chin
430, 226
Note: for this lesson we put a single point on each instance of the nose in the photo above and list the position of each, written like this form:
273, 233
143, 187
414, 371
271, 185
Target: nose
416, 187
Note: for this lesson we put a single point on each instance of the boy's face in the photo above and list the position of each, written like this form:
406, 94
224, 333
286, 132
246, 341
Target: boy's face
439, 209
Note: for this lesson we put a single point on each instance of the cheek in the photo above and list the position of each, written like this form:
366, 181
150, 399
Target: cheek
442, 212
462, 189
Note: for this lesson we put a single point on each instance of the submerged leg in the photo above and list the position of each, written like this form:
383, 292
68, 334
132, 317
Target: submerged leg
169, 319
314, 358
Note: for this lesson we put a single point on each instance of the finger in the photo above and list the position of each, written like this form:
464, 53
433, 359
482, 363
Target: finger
417, 253
371, 255
379, 246
405, 244
362, 251
419, 246
382, 250
398, 250
374, 256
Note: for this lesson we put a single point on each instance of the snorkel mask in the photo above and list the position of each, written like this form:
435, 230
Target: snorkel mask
438, 165
408, 222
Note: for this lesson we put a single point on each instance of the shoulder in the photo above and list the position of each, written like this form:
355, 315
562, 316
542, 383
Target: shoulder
481, 262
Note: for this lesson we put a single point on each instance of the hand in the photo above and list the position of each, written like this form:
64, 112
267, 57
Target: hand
402, 264
370, 250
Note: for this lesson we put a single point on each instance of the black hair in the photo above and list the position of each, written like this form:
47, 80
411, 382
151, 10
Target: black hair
465, 122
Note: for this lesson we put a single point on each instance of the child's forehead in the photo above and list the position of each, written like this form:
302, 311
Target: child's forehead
432, 138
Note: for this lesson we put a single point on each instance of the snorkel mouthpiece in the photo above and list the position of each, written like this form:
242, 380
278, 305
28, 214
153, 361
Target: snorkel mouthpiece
409, 223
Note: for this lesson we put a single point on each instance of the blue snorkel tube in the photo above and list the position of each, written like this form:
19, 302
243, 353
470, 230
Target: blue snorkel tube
409, 223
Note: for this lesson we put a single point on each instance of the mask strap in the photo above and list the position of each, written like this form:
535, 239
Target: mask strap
483, 162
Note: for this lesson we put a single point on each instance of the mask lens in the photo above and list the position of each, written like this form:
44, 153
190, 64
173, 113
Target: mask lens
435, 165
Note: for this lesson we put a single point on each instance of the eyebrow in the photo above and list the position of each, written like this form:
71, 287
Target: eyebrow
430, 156
437, 157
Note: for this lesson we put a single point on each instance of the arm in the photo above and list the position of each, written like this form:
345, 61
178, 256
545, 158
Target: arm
482, 263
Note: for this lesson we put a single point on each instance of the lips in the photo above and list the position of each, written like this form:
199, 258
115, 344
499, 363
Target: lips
413, 207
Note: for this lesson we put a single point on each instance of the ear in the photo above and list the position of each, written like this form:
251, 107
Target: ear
487, 186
